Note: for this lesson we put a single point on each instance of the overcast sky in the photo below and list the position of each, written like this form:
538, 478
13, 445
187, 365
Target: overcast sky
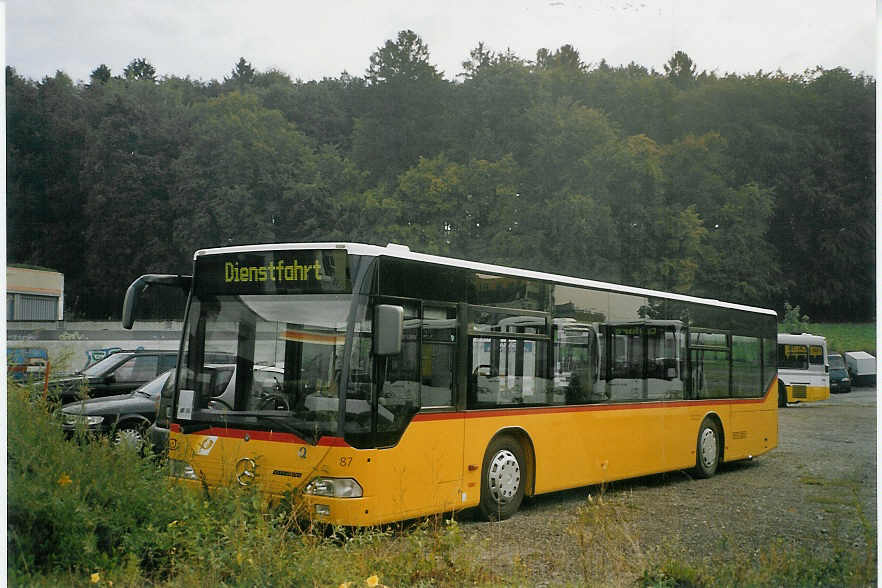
310, 41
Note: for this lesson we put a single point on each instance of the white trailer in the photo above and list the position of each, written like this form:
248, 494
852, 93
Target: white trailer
861, 367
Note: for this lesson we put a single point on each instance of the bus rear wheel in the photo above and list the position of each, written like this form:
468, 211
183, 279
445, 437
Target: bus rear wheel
502, 479
707, 450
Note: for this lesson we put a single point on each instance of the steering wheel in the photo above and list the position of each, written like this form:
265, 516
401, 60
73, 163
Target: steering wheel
274, 402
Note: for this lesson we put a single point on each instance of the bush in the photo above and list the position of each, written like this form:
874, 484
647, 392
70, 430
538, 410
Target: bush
78, 506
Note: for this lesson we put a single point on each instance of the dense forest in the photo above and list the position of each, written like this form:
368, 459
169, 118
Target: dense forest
756, 189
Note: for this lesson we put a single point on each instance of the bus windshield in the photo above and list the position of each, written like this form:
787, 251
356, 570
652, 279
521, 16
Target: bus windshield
285, 359
264, 342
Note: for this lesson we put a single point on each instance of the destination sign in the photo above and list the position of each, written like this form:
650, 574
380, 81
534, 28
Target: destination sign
273, 272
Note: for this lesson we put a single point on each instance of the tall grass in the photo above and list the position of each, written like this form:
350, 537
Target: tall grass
87, 512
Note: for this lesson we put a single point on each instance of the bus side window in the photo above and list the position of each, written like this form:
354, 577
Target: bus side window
508, 362
816, 355
575, 366
747, 378
709, 361
438, 356
662, 373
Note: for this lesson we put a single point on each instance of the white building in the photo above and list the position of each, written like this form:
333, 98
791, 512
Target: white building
34, 294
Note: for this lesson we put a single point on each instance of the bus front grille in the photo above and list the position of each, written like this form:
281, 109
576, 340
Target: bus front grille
799, 392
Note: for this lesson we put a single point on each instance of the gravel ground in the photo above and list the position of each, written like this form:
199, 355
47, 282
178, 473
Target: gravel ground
815, 491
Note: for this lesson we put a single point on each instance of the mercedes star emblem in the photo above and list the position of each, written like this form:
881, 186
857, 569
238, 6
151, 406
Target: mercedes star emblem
246, 471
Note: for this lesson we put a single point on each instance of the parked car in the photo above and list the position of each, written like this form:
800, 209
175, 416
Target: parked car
124, 416
116, 374
839, 378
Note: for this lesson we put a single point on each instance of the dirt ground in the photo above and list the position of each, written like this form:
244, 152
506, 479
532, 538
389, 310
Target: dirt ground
816, 491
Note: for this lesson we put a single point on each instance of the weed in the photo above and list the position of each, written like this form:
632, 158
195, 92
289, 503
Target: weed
608, 545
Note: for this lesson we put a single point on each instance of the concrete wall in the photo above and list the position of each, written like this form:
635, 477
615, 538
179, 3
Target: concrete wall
68, 341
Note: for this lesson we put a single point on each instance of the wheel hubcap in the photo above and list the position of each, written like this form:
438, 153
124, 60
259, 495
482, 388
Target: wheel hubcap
128, 438
708, 447
504, 476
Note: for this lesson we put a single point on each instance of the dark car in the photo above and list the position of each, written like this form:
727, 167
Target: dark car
118, 373
125, 416
840, 381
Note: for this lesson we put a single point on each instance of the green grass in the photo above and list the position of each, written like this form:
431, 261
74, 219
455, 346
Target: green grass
842, 337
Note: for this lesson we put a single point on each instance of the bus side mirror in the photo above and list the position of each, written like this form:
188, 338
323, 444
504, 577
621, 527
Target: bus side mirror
141, 284
388, 329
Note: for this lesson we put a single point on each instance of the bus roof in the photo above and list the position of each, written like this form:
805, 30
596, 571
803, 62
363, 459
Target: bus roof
404, 252
800, 338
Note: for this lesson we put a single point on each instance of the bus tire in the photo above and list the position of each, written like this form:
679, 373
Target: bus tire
707, 450
503, 478
782, 395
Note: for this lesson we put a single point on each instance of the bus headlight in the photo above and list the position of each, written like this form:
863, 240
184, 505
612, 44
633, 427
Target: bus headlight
334, 488
181, 469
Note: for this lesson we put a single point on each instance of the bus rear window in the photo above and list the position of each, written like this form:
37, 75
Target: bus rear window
793, 356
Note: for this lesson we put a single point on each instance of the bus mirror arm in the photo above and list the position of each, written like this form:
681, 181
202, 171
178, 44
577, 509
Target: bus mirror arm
388, 329
141, 284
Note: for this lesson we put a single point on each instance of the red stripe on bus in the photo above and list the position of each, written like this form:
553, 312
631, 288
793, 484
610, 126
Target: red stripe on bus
256, 435
268, 436
333, 442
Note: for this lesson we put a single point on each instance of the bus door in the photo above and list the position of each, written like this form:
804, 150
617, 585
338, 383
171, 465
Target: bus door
414, 415
664, 380
633, 437
625, 362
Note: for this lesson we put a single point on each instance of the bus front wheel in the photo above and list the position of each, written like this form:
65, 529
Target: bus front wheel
502, 479
707, 453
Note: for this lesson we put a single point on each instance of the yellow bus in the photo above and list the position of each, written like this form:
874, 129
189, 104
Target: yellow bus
381, 384
803, 368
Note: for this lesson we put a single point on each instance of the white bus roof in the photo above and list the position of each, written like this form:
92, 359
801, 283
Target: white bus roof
800, 338
404, 252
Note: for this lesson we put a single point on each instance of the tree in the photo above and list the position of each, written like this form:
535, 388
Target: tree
488, 108
680, 70
248, 175
405, 59
242, 74
140, 69
46, 126
403, 111
135, 133
793, 320
457, 209
100, 75
567, 57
